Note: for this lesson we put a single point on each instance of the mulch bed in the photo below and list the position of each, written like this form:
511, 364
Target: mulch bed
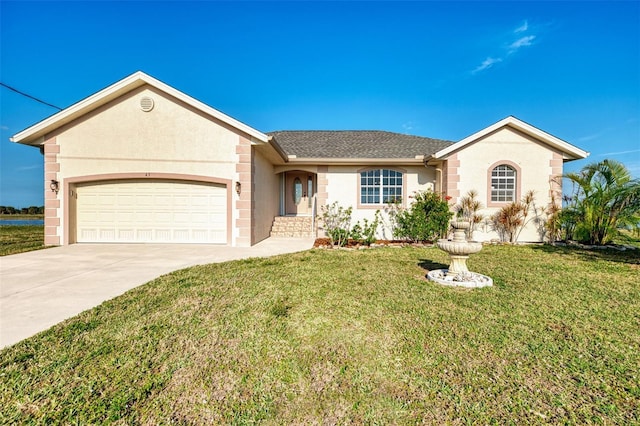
353, 244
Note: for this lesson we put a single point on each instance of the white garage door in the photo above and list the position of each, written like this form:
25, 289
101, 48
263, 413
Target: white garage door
143, 211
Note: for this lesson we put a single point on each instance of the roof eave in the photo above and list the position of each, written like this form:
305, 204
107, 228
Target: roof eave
570, 152
276, 146
34, 134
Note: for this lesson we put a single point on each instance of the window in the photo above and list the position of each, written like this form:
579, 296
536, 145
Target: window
380, 186
503, 184
297, 191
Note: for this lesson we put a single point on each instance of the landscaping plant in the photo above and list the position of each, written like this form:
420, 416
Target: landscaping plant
366, 233
553, 223
511, 219
427, 219
467, 210
605, 199
337, 222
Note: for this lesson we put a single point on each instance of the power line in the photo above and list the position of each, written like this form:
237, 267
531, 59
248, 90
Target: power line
29, 96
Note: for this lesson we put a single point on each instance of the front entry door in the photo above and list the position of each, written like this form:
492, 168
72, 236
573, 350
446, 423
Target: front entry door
299, 190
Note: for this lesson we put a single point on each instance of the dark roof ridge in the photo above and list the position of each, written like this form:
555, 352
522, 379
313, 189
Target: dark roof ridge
350, 131
341, 130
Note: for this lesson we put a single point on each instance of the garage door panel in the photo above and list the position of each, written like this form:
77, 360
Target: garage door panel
88, 234
163, 235
200, 217
200, 202
126, 234
141, 199
125, 216
180, 201
182, 218
103, 215
163, 200
152, 211
107, 234
218, 235
181, 234
163, 218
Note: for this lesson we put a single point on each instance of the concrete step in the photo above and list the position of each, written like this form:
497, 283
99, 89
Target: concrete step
292, 226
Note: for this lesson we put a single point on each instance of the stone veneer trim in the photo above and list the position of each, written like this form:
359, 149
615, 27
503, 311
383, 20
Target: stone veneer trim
555, 178
244, 202
322, 194
452, 178
51, 200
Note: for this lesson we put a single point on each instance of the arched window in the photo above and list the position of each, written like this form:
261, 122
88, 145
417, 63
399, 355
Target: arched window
380, 186
503, 184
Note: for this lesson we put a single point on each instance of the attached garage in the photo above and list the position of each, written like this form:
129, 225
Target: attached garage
151, 211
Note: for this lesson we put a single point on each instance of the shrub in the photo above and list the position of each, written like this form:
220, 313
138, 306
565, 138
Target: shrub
390, 220
366, 233
427, 219
553, 222
511, 219
337, 222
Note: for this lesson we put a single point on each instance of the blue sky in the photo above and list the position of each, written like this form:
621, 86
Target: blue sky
437, 69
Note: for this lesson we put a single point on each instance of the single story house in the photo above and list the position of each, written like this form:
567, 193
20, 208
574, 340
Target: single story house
142, 162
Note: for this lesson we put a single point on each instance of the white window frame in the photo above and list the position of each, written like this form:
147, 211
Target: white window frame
380, 186
504, 184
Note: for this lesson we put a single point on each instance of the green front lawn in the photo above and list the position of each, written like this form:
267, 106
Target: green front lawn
18, 239
339, 337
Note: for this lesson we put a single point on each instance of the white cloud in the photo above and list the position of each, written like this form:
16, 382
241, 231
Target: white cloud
509, 47
26, 168
590, 137
521, 42
408, 126
4, 127
486, 64
522, 28
619, 153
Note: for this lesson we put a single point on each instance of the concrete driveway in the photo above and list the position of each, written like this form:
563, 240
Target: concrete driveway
41, 288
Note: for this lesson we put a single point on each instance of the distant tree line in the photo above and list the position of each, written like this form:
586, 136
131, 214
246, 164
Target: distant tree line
24, 210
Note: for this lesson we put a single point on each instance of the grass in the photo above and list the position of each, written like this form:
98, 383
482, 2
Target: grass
629, 238
347, 337
18, 239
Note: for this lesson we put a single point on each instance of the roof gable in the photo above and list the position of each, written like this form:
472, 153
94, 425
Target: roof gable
358, 144
570, 152
34, 135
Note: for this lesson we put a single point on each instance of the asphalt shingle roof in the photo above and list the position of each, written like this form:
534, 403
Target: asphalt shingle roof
355, 144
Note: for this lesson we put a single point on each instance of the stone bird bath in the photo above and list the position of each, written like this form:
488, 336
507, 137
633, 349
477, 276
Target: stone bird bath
459, 250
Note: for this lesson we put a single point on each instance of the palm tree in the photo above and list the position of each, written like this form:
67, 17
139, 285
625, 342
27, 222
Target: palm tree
605, 199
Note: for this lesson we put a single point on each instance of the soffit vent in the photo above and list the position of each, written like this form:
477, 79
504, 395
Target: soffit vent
146, 104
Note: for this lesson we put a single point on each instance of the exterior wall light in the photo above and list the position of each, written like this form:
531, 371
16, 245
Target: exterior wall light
238, 188
54, 185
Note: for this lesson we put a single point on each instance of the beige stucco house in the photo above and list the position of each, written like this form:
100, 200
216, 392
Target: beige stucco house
143, 162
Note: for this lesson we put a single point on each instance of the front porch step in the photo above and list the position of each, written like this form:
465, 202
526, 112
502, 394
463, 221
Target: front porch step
292, 226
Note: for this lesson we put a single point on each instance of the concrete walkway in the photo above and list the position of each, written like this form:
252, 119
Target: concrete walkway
41, 288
